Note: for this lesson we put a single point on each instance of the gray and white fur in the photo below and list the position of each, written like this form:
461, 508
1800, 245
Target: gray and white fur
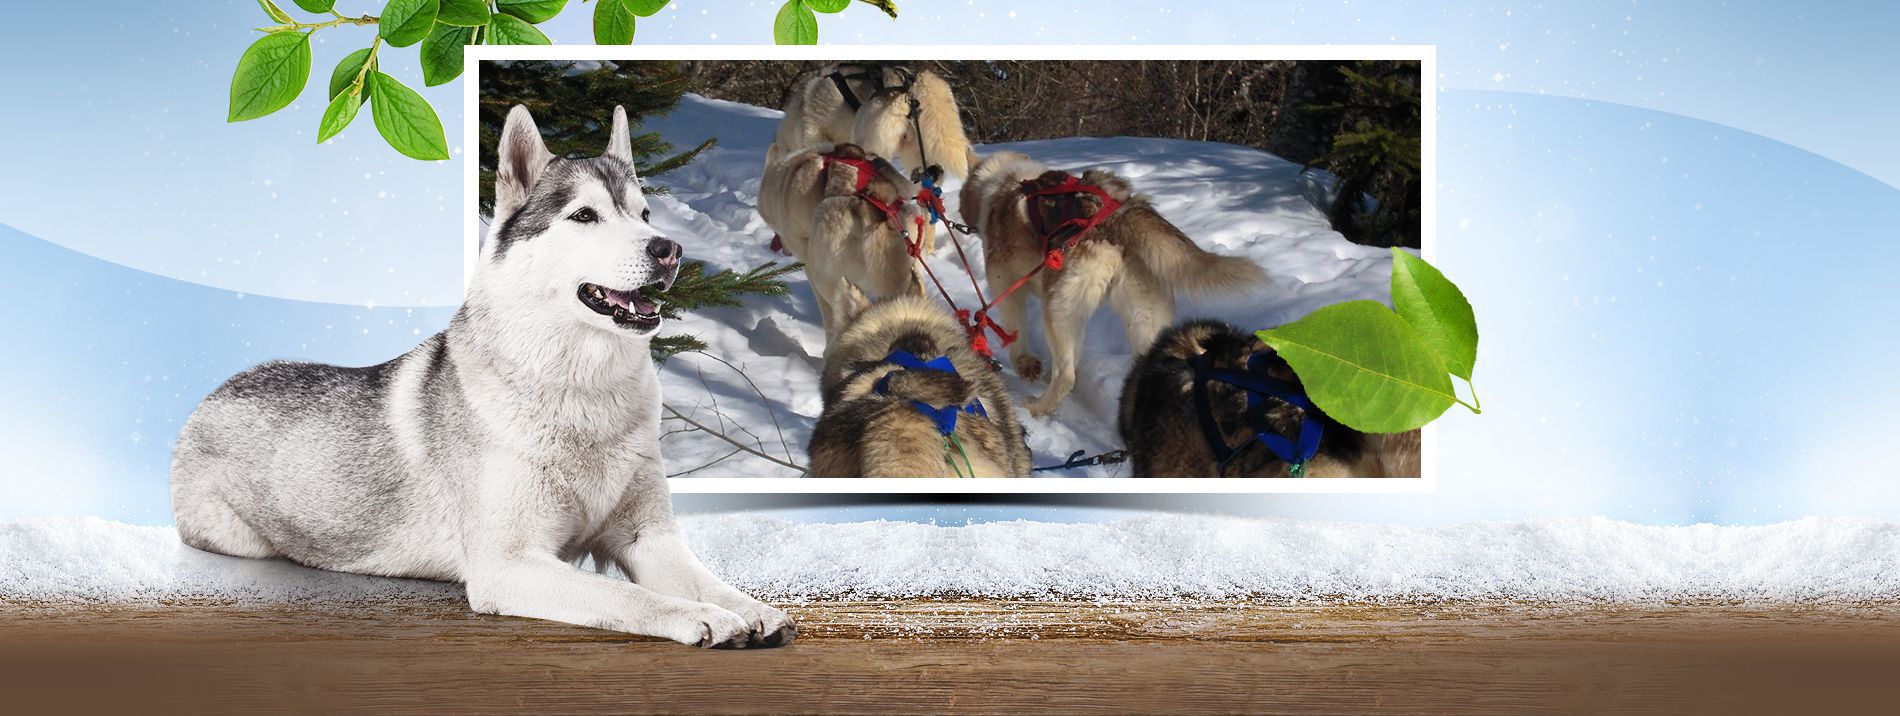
499, 452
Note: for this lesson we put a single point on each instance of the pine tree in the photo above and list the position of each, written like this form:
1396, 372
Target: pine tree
573, 106
1376, 153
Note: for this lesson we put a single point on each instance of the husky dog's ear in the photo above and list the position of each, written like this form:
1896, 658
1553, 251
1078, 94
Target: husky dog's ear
522, 157
620, 141
850, 302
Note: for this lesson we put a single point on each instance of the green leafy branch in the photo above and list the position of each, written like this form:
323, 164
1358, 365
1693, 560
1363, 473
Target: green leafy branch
1383, 370
274, 70
694, 289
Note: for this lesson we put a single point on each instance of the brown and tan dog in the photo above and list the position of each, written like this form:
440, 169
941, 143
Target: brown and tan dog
1134, 258
881, 416
849, 245
818, 113
1162, 429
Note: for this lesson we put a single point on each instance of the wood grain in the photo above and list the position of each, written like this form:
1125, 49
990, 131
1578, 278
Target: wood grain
965, 657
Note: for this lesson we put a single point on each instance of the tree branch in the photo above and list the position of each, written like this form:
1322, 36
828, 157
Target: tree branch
729, 441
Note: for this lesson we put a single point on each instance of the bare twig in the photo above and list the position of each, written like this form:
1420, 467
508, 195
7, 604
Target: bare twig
720, 459
729, 441
767, 402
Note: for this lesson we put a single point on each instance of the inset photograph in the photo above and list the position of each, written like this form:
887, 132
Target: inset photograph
985, 268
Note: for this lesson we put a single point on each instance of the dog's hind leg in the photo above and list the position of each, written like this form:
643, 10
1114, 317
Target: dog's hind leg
1145, 306
1066, 316
207, 523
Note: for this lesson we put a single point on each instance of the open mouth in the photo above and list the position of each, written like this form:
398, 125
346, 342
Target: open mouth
627, 308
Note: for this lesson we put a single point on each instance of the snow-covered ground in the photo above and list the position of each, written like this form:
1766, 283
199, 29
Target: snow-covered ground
1808, 562
1231, 199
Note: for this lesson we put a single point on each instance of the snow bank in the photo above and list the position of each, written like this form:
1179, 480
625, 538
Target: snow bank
1811, 561
1231, 199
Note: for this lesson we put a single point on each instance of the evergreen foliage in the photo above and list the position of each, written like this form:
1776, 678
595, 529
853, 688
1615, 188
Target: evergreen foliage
573, 105
1376, 154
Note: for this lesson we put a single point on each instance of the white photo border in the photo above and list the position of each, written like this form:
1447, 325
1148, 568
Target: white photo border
1426, 55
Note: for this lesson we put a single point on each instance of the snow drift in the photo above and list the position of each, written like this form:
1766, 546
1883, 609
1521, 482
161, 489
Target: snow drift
1810, 561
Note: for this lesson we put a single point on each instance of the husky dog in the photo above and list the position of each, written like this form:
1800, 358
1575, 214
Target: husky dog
876, 115
523, 438
848, 243
1134, 258
1161, 425
899, 383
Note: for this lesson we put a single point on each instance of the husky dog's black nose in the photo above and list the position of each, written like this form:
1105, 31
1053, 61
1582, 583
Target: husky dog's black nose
665, 251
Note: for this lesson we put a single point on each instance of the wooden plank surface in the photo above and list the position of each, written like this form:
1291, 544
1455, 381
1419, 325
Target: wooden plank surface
966, 657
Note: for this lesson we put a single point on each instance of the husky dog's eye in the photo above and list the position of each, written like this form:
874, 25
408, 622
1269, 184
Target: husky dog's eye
646, 215
583, 215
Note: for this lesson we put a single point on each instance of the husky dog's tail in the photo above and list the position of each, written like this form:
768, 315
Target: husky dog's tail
1187, 268
944, 142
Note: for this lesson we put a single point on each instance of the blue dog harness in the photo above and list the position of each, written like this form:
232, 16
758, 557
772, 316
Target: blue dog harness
945, 418
1294, 451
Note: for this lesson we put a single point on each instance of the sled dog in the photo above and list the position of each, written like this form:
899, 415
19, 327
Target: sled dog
906, 397
498, 452
852, 231
872, 109
1134, 258
1162, 423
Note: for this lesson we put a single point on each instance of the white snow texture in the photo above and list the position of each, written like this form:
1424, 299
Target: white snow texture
1592, 560
1230, 199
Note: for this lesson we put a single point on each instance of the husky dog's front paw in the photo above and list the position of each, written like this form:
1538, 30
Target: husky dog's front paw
770, 627
713, 627
1044, 405
1027, 366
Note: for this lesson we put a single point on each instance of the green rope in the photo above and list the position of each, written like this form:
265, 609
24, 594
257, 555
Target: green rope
950, 442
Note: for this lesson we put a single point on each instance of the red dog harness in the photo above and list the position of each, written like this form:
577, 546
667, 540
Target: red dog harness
865, 170
1056, 243
1073, 228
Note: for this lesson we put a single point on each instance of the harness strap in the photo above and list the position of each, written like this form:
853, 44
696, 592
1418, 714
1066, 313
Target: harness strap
945, 418
1064, 236
1295, 452
874, 72
866, 169
844, 88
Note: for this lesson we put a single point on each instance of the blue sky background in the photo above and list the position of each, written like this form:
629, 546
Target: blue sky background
1676, 222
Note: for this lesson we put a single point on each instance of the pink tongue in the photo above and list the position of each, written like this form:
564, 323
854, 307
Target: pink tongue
631, 301
642, 305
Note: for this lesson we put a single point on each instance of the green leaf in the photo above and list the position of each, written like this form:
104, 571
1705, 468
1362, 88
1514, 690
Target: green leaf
511, 30
442, 53
462, 13
270, 75
534, 11
796, 25
613, 24
346, 72
406, 22
406, 120
646, 8
828, 5
1365, 366
316, 5
1437, 310
341, 112
276, 13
